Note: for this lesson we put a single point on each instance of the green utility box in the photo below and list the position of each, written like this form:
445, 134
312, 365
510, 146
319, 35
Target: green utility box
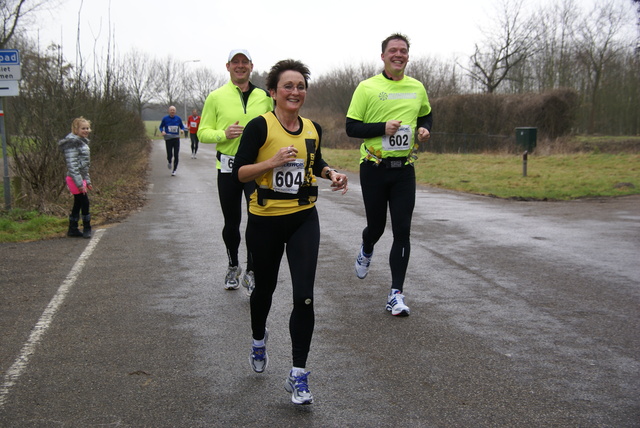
526, 138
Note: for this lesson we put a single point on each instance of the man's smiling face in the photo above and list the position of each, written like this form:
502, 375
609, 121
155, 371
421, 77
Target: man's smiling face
395, 57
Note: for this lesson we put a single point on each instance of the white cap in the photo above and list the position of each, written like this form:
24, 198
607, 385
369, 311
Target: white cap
239, 51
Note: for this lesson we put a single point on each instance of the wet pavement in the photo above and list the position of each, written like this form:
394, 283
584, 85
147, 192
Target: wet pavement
522, 314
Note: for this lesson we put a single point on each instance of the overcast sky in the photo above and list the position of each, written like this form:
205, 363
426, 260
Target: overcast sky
325, 34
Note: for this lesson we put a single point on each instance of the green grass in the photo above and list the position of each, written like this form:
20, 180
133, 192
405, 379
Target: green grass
595, 139
18, 226
555, 177
152, 129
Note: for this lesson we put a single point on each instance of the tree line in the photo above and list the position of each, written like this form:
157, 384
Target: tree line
593, 53
561, 47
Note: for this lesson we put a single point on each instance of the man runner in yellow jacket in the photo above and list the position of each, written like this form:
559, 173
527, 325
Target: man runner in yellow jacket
226, 112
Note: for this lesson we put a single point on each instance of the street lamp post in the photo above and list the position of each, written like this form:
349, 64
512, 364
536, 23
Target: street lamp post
184, 92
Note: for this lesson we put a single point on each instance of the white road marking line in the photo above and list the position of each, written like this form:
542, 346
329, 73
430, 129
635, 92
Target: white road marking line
43, 324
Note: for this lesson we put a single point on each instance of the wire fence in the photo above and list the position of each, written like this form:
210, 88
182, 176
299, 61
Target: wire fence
445, 142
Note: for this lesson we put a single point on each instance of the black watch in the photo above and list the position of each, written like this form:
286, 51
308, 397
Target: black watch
329, 172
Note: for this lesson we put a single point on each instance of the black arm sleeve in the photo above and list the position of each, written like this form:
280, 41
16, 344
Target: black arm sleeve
253, 137
319, 163
359, 129
426, 121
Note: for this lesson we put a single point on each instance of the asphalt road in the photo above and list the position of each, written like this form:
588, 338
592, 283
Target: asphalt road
523, 314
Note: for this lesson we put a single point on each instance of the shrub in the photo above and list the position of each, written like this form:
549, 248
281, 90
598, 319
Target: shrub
52, 95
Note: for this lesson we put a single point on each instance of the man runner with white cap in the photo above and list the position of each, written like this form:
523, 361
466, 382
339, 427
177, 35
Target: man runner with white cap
226, 112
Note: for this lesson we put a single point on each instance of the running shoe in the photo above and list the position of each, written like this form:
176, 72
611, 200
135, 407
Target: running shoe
299, 389
231, 281
173, 174
395, 304
248, 282
169, 165
362, 263
259, 358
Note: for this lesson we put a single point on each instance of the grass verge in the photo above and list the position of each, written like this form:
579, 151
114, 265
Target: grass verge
554, 177
18, 226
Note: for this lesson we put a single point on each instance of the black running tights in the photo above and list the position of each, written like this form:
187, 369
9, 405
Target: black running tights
173, 151
384, 187
230, 193
194, 142
268, 238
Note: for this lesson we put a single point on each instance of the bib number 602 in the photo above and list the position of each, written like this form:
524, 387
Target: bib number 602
399, 140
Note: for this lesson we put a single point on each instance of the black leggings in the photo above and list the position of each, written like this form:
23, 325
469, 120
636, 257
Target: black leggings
173, 151
80, 203
268, 238
395, 188
230, 193
194, 142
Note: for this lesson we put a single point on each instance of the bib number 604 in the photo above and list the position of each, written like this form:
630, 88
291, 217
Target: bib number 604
288, 179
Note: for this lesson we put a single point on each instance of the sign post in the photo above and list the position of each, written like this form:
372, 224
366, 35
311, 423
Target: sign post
10, 73
5, 162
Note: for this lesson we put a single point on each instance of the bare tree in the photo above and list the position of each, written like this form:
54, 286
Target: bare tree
203, 81
598, 46
333, 90
259, 78
169, 83
140, 78
439, 77
504, 49
552, 64
637, 4
14, 13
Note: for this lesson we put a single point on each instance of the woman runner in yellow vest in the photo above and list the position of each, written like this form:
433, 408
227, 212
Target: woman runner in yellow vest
281, 151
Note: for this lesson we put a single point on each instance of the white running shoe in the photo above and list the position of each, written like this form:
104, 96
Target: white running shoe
395, 304
231, 281
259, 358
169, 165
362, 263
299, 389
248, 282
173, 174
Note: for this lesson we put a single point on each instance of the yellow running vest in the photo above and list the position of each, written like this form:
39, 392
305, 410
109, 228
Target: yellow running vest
292, 187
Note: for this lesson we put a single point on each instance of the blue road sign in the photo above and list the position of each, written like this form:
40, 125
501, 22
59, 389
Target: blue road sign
9, 57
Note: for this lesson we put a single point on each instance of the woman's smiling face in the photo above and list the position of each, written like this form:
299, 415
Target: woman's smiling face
291, 91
